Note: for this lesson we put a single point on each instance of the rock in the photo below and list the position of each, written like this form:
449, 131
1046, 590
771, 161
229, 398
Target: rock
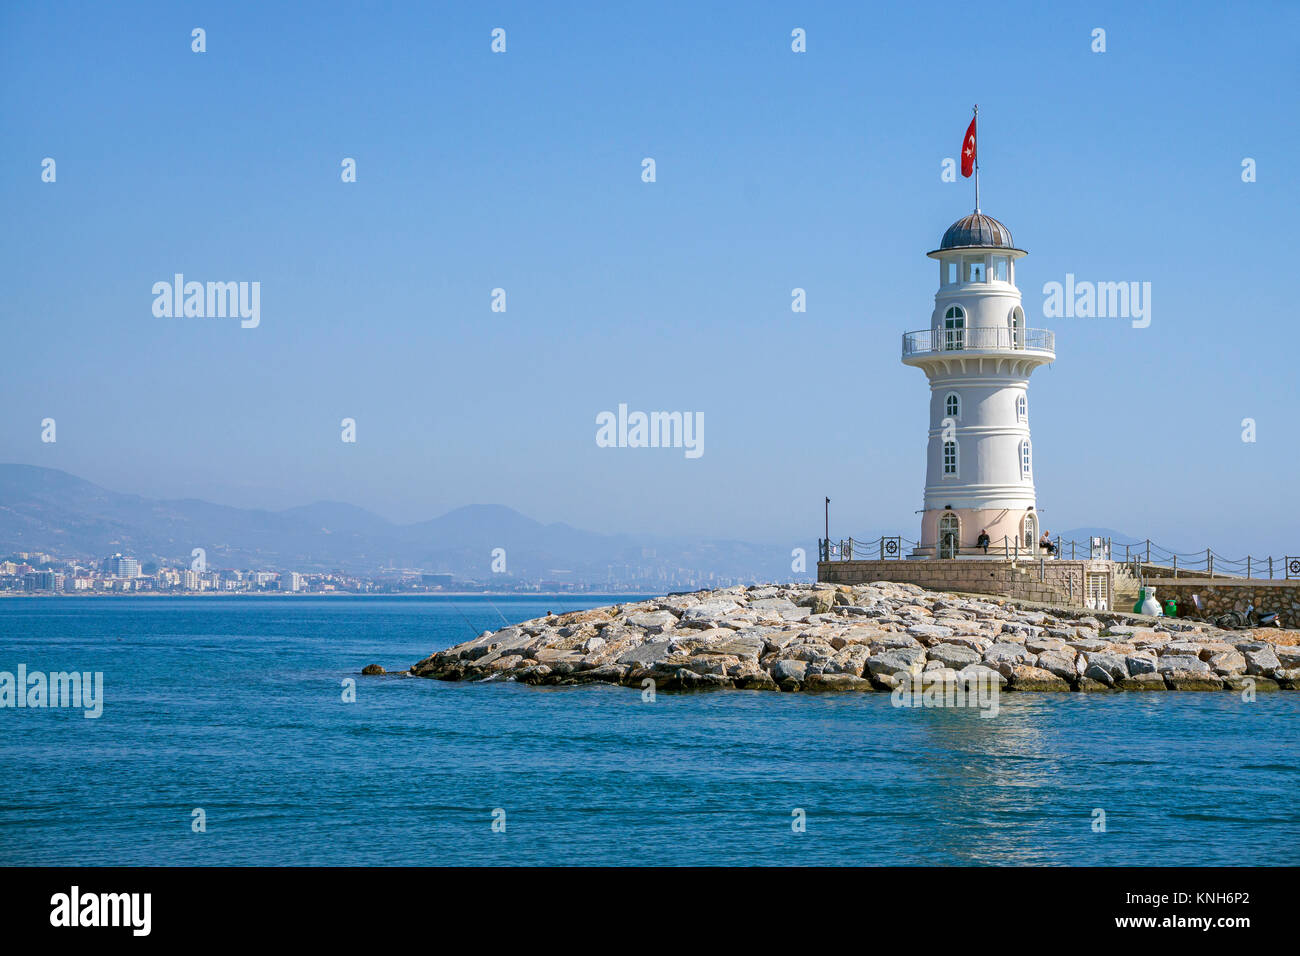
1179, 679
1143, 680
1240, 682
908, 659
789, 670
818, 602
1090, 685
1228, 663
836, 682
929, 633
744, 646
709, 612
1288, 677
653, 622
648, 653
1009, 654
1262, 660
1059, 664
1183, 664
1143, 662
371, 670
1105, 667
1024, 677
954, 655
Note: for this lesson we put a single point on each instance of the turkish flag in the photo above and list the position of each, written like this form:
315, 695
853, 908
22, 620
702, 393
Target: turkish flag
968, 150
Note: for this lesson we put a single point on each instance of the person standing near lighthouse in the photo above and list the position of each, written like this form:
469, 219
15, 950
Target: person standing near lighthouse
978, 355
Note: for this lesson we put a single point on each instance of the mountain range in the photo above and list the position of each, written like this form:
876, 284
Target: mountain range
47, 510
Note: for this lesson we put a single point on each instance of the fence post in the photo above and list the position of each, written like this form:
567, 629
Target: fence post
1270, 567
882, 547
1247, 567
1126, 557
1175, 567
1148, 551
1209, 561
1006, 549
1071, 550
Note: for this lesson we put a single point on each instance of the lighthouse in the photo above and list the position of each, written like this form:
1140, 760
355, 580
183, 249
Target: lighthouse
978, 355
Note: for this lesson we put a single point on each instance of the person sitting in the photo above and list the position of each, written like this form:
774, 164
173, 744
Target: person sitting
983, 540
1045, 542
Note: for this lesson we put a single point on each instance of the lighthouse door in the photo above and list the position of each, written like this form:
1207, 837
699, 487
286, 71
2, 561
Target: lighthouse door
948, 530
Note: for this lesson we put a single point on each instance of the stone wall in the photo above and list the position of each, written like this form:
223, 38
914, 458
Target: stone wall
1228, 594
1049, 581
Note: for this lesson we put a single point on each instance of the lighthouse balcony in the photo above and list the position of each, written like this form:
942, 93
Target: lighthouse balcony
1016, 342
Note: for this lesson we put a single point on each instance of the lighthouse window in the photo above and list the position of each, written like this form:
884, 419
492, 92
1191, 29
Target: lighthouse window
951, 271
950, 458
1022, 408
975, 270
952, 406
1024, 459
954, 328
1000, 268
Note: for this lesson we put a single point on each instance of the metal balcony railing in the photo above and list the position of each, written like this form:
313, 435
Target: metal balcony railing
1038, 341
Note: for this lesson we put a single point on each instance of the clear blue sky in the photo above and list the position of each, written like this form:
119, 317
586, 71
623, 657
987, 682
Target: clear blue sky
523, 171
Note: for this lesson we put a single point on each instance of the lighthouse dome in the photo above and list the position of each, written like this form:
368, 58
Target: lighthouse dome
977, 230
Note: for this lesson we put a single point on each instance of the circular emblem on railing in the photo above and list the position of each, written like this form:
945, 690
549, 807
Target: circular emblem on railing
1294, 566
891, 547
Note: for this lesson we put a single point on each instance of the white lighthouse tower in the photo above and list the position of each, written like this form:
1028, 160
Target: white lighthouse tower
978, 355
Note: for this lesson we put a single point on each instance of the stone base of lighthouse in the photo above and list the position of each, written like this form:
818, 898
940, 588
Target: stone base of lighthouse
953, 532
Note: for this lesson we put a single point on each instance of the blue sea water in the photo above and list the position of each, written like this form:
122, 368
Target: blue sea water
234, 705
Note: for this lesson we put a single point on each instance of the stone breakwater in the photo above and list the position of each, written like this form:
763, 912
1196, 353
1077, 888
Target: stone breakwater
868, 638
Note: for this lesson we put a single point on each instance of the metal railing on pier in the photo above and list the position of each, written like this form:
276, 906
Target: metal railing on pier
1146, 558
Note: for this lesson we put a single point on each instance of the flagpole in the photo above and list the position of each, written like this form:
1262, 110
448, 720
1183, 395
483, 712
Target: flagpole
977, 158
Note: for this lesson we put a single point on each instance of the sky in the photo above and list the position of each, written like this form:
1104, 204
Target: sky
522, 171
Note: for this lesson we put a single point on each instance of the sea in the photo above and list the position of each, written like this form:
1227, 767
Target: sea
237, 730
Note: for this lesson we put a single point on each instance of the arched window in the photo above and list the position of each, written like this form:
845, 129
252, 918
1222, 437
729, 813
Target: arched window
952, 405
1022, 408
1017, 323
1031, 530
1026, 460
949, 536
954, 328
949, 459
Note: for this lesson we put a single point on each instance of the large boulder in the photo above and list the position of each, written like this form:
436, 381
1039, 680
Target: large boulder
708, 613
1182, 663
1104, 667
818, 602
653, 622
1261, 659
1010, 654
953, 655
1058, 663
789, 671
1024, 677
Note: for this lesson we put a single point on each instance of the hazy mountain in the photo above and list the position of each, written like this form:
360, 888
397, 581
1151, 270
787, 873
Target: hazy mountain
42, 509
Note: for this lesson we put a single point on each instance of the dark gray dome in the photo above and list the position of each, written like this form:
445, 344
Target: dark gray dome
977, 229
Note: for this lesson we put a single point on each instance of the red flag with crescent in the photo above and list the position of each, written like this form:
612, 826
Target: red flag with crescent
968, 151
